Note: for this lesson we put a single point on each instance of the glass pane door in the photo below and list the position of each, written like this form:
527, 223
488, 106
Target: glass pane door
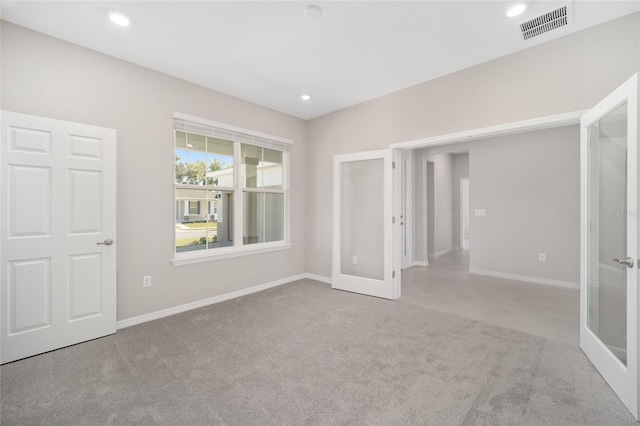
607, 278
362, 224
609, 240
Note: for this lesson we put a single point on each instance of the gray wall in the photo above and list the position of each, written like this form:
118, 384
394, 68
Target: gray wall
569, 74
48, 77
440, 202
460, 170
529, 184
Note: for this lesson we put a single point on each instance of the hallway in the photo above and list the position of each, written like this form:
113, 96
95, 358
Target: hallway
445, 285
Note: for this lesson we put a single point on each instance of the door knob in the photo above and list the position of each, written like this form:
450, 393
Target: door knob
106, 242
628, 261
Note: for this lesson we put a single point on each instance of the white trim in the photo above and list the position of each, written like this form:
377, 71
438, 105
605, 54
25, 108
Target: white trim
205, 302
440, 253
224, 126
188, 258
525, 278
420, 263
540, 123
405, 182
322, 279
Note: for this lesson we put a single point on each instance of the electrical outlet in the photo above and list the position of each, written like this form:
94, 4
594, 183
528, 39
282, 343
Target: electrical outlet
146, 281
542, 257
355, 260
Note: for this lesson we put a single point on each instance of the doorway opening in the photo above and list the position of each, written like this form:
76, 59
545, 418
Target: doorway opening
492, 192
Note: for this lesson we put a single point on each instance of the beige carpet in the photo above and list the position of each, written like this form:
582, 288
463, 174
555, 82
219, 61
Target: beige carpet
304, 354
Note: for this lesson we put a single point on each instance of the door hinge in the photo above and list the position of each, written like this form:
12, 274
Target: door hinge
393, 274
393, 219
393, 164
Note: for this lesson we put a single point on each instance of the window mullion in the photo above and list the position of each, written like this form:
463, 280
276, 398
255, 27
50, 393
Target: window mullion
238, 196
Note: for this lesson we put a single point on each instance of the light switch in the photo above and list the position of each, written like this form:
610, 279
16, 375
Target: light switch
481, 212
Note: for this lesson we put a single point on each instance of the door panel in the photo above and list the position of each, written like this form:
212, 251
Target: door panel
29, 295
609, 273
363, 234
58, 204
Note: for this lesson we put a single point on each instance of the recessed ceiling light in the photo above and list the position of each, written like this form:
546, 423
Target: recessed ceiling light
119, 18
515, 10
313, 12
305, 97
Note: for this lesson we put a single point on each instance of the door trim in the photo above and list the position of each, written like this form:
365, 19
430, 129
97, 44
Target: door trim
541, 123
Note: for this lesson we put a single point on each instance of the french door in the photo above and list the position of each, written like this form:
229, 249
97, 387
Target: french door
57, 232
609, 240
364, 240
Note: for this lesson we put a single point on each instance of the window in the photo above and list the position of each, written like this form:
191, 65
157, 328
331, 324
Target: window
231, 190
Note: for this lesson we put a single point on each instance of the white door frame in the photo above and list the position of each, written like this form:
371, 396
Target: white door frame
425, 210
406, 214
623, 379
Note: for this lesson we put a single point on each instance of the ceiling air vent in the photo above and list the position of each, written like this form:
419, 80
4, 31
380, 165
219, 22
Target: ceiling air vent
545, 23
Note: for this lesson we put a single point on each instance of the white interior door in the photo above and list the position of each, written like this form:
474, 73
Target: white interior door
609, 248
58, 227
363, 242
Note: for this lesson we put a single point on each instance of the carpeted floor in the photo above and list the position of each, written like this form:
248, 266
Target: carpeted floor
304, 354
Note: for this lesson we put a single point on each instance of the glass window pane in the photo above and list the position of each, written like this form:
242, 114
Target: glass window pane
262, 167
219, 162
191, 162
271, 169
263, 217
204, 219
181, 139
251, 157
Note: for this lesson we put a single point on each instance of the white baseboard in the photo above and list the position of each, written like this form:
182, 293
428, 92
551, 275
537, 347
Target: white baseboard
440, 253
326, 280
420, 263
535, 280
209, 301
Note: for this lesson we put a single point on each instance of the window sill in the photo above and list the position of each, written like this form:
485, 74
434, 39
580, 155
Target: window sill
227, 253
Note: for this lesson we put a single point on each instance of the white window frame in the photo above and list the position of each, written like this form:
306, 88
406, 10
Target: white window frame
238, 249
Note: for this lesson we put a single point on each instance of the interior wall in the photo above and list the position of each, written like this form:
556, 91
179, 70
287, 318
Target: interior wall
569, 74
44, 76
460, 170
529, 185
440, 202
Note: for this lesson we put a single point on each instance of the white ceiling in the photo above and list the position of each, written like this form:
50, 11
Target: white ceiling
269, 53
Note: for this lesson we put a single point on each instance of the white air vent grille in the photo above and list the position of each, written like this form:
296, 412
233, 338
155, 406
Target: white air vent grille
544, 23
